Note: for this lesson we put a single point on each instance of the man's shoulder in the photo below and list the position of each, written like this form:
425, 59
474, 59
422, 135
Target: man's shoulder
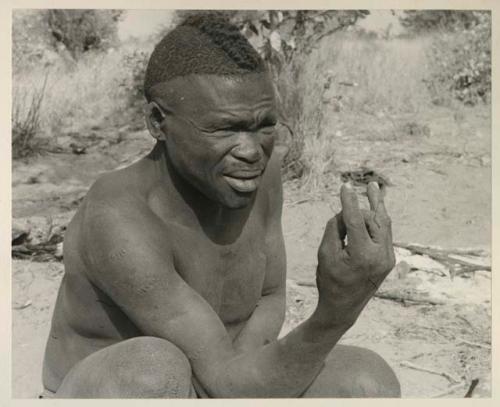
117, 220
116, 190
113, 200
110, 185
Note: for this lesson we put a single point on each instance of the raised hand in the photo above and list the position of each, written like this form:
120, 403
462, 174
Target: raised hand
354, 257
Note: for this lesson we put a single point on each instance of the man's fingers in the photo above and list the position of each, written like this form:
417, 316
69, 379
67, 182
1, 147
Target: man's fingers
374, 195
377, 233
351, 214
377, 205
335, 232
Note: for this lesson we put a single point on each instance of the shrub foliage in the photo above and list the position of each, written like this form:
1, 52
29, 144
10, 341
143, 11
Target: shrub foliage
460, 53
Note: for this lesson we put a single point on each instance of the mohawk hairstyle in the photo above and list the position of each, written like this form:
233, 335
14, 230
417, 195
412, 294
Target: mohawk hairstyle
204, 43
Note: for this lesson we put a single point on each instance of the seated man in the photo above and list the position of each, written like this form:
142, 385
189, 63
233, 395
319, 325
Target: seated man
175, 266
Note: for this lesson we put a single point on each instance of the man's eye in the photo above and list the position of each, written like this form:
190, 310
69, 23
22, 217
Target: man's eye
267, 129
219, 133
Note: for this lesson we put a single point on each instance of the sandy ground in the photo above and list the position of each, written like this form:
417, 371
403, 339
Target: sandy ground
441, 196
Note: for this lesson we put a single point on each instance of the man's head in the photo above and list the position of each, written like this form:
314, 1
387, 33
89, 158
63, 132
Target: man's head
211, 101
205, 44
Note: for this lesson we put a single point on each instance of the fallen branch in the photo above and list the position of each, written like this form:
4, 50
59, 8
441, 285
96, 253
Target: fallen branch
406, 298
450, 389
305, 283
402, 297
472, 386
300, 201
23, 306
37, 252
445, 256
478, 345
446, 375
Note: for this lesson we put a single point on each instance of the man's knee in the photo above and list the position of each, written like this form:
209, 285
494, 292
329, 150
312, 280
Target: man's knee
142, 367
369, 384
372, 376
163, 369
351, 371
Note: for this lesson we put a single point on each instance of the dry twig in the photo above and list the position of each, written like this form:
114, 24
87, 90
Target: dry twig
402, 297
449, 390
305, 283
300, 201
405, 298
476, 344
445, 256
472, 386
446, 375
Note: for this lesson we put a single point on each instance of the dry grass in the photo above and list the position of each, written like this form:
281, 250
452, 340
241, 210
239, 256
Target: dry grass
345, 76
26, 119
76, 96
389, 73
387, 77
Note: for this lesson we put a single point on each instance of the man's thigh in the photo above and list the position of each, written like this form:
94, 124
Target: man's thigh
142, 367
351, 371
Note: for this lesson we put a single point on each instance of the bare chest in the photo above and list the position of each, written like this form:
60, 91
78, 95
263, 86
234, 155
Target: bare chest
229, 277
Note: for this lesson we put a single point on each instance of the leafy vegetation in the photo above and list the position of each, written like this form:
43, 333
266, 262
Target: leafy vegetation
424, 21
83, 30
460, 52
462, 61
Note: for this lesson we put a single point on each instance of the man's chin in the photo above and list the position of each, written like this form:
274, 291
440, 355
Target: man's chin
238, 200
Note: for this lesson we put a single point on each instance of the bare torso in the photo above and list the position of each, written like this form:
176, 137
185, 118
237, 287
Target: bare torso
228, 274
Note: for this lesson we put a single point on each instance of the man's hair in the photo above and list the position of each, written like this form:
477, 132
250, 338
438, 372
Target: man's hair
202, 44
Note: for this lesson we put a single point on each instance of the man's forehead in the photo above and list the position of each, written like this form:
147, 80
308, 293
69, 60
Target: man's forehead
214, 92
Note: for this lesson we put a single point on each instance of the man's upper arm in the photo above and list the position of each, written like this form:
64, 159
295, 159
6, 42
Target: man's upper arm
131, 260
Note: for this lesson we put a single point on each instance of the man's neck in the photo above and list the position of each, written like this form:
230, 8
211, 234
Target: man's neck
221, 224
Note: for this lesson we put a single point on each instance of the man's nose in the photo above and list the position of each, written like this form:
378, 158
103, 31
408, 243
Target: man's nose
248, 149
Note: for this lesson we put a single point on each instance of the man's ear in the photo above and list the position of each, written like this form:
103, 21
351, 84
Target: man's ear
154, 119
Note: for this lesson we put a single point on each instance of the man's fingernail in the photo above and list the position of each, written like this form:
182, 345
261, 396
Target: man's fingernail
375, 184
348, 185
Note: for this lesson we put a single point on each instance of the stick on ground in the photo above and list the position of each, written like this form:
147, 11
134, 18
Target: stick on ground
449, 390
446, 375
476, 344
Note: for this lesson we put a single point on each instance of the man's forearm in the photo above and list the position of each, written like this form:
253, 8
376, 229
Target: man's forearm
283, 368
264, 325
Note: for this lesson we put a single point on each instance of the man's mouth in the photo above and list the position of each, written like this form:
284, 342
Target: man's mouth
243, 181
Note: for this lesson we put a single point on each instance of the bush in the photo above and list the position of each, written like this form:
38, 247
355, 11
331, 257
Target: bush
135, 62
84, 30
462, 62
70, 52
425, 21
42, 37
31, 40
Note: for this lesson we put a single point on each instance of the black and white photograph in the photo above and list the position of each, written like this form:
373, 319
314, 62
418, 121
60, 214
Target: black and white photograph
251, 204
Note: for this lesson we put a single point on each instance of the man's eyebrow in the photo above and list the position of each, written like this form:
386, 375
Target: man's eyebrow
244, 117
